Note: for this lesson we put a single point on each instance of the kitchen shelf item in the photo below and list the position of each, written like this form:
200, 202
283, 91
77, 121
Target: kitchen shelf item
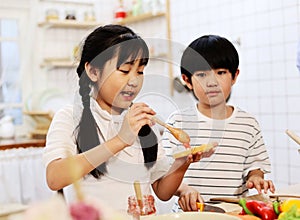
139, 18
58, 63
42, 120
68, 24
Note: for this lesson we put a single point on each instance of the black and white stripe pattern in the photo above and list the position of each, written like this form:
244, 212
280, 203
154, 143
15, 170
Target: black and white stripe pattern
241, 149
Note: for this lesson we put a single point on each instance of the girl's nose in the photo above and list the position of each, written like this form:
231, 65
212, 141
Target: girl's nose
133, 81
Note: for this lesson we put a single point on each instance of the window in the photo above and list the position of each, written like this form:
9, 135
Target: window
10, 76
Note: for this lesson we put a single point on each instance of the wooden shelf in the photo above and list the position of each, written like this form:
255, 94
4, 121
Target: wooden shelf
79, 2
59, 63
138, 18
21, 143
68, 24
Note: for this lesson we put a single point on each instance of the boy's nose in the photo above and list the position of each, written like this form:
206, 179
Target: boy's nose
212, 81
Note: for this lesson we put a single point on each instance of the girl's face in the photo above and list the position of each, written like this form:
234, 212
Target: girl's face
118, 87
212, 87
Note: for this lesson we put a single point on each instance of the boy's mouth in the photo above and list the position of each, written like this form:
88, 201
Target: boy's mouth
212, 93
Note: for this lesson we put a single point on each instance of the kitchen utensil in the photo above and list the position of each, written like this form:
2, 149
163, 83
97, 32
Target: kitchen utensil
193, 150
284, 196
203, 207
138, 194
179, 134
259, 197
292, 135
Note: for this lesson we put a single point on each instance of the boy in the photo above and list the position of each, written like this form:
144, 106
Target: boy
209, 66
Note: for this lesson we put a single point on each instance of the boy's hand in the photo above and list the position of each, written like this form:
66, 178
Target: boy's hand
257, 182
188, 199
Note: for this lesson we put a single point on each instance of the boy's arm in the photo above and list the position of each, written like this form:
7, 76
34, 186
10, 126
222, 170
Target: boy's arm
255, 179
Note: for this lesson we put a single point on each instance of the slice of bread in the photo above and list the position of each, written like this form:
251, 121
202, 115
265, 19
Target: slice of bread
193, 150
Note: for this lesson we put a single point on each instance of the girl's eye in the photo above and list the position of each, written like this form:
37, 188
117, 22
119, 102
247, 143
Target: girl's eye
124, 71
140, 72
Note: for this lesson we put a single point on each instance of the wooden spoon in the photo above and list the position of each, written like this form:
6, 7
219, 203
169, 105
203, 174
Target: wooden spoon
292, 135
179, 134
138, 194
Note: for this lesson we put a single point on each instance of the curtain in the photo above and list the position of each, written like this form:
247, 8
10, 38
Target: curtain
22, 176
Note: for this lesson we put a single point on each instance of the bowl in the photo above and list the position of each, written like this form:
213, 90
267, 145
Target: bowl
192, 216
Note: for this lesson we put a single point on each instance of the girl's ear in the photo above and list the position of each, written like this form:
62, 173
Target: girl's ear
92, 72
236, 76
187, 81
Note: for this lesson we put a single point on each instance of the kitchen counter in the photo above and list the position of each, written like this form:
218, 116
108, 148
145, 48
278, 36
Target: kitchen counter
21, 142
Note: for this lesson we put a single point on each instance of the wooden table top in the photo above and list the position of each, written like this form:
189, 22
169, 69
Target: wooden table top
21, 142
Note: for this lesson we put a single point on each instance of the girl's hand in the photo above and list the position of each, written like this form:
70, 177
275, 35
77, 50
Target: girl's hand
196, 157
138, 115
199, 155
188, 199
257, 182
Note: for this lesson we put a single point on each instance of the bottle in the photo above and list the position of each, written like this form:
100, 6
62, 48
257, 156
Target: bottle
120, 12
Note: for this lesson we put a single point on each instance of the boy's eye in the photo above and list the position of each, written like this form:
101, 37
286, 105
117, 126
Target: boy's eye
201, 74
221, 72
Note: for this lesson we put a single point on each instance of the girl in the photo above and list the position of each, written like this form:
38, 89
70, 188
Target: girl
96, 139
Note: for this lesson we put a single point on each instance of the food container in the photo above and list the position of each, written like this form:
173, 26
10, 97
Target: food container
70, 15
147, 206
52, 14
89, 16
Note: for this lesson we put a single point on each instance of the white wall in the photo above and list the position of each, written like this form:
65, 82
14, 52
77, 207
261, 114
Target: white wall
268, 84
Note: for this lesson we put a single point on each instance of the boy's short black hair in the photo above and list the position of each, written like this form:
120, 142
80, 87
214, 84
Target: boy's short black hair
209, 52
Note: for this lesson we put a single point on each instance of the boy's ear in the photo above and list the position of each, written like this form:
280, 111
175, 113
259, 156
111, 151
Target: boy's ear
92, 72
187, 81
235, 78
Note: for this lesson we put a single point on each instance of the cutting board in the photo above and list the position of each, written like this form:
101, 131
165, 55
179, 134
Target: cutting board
259, 197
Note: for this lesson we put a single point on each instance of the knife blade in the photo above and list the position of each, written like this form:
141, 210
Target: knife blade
203, 207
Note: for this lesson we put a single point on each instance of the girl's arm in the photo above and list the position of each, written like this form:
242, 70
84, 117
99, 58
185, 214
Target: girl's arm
63, 172
168, 185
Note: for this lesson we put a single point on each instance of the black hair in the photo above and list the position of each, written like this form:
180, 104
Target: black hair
103, 44
209, 52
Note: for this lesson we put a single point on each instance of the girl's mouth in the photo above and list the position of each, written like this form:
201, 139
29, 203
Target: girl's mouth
127, 93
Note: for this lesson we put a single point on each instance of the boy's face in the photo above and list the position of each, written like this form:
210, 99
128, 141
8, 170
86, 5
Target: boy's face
212, 87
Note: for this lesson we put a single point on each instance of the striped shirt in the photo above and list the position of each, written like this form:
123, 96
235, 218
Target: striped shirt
240, 149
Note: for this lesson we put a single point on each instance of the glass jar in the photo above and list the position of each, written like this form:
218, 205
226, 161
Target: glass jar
89, 16
52, 14
70, 15
147, 206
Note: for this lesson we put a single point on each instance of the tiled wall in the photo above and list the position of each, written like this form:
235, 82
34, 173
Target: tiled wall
265, 34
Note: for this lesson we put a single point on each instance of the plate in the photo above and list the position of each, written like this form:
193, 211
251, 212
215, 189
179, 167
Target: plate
8, 209
192, 216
